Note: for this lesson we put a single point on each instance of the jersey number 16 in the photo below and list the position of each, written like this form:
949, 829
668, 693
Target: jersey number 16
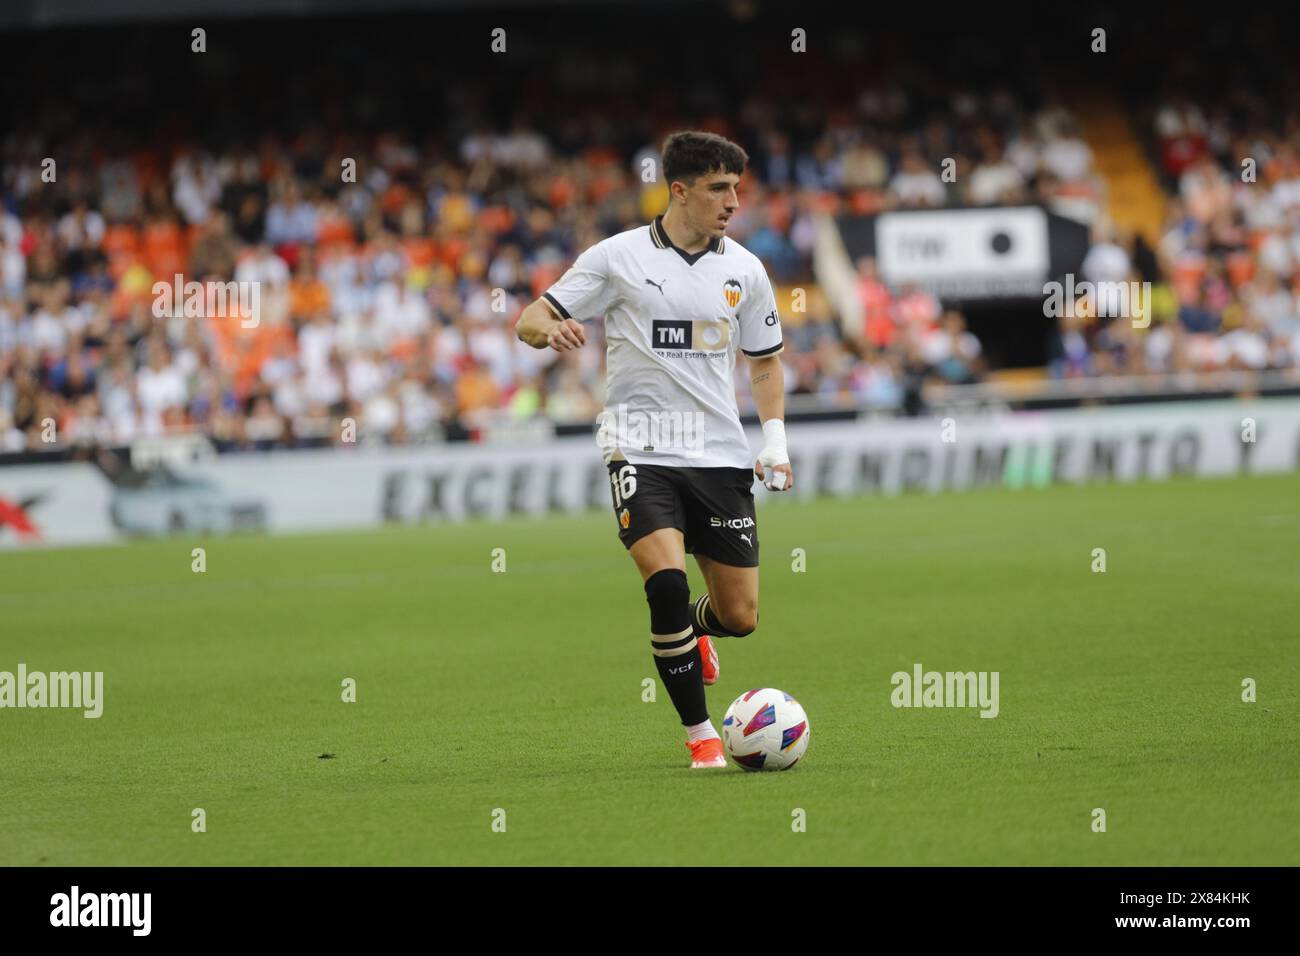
624, 482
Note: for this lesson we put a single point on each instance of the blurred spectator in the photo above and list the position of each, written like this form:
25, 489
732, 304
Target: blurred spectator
951, 351
915, 184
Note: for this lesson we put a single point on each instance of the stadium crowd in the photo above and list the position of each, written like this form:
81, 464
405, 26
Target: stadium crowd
391, 268
1225, 272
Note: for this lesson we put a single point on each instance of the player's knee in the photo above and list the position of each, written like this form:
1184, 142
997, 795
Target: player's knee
668, 593
741, 619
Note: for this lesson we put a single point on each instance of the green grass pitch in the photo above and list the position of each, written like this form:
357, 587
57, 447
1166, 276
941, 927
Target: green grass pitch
523, 691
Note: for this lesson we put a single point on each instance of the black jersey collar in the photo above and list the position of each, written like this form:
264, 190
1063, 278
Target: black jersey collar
661, 241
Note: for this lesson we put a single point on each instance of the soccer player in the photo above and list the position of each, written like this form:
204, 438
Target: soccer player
678, 299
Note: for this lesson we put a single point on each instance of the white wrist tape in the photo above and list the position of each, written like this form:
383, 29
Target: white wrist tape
774, 442
774, 452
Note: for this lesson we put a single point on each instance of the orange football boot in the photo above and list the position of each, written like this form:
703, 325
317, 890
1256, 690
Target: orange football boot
706, 753
709, 659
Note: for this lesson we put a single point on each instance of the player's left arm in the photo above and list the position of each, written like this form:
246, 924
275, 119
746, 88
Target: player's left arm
761, 341
767, 383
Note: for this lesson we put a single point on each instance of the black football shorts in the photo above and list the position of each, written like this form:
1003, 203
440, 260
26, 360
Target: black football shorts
712, 507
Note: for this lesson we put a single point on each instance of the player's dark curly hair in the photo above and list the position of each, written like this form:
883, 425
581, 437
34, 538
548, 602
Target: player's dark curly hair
691, 154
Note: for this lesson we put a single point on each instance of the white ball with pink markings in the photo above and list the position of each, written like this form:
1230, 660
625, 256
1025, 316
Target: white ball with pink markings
765, 729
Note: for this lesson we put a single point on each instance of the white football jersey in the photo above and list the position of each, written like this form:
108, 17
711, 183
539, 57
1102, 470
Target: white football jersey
673, 321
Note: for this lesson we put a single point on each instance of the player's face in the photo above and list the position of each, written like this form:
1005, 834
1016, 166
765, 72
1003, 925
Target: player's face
711, 203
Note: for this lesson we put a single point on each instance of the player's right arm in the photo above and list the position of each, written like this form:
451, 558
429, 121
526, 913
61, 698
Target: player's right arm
584, 291
540, 327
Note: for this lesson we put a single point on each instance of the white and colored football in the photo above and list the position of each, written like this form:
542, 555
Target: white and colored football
765, 729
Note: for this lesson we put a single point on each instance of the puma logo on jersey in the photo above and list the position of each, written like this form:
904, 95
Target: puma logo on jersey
747, 541
658, 285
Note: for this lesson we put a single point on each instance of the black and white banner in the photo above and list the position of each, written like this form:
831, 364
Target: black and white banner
964, 252
343, 488
970, 253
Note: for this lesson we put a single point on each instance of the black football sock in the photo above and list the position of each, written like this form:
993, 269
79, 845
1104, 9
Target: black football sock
676, 651
704, 621
683, 677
